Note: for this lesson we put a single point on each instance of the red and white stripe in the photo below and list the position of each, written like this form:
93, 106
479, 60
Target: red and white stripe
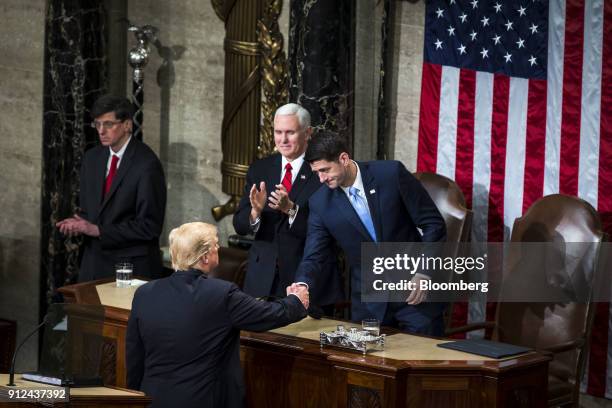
508, 141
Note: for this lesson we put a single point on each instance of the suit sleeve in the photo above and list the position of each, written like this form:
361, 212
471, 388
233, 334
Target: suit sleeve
248, 313
318, 242
150, 210
241, 220
83, 191
421, 207
134, 349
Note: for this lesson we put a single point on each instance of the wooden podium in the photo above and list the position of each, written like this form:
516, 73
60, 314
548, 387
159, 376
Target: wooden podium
287, 367
90, 397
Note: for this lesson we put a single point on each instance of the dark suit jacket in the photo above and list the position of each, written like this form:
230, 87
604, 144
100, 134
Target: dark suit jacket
398, 205
276, 242
183, 338
131, 216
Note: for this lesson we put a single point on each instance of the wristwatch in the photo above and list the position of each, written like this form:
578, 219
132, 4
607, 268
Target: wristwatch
292, 211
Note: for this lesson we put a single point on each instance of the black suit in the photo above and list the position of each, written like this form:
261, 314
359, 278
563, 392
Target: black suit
278, 246
130, 217
183, 338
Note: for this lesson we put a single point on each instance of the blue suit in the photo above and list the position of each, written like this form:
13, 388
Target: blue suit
398, 204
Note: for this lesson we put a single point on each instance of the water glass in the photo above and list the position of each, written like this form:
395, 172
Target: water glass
123, 274
372, 326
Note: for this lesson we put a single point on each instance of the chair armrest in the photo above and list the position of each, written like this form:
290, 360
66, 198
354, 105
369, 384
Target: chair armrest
469, 327
561, 347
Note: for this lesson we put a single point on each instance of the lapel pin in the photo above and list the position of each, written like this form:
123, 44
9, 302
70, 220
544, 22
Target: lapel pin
303, 177
372, 191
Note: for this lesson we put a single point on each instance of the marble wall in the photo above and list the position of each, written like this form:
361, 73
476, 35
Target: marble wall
21, 107
183, 104
405, 77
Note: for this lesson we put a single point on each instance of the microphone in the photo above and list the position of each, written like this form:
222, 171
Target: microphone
12, 371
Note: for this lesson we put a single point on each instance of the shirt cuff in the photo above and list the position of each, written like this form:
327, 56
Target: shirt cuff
255, 224
291, 219
303, 284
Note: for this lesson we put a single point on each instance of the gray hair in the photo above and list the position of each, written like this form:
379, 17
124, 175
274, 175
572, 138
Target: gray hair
294, 109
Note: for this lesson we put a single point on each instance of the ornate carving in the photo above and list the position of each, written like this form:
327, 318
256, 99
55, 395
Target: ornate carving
274, 73
359, 397
108, 366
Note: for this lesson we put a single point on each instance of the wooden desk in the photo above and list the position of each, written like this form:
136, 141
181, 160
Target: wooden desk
287, 368
91, 397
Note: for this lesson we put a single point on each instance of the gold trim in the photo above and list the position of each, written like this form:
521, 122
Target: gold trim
274, 73
241, 47
234, 169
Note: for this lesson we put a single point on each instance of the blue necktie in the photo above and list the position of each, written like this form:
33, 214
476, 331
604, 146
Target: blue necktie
361, 207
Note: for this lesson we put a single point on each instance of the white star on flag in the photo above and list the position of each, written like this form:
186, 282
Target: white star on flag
438, 43
496, 39
451, 30
485, 21
462, 17
533, 28
521, 11
440, 12
484, 53
473, 34
461, 49
520, 43
497, 7
532, 60
508, 57
509, 25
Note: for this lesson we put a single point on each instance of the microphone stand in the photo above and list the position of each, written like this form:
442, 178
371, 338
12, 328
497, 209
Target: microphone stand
12, 371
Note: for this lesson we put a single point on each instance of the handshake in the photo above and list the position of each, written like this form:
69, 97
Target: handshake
301, 292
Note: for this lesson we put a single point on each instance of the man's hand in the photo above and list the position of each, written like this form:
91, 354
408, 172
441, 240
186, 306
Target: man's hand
301, 292
258, 200
417, 295
76, 225
279, 199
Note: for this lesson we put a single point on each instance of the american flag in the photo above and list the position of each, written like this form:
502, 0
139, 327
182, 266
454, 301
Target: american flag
516, 103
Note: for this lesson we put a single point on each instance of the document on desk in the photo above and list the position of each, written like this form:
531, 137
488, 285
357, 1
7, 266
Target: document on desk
486, 348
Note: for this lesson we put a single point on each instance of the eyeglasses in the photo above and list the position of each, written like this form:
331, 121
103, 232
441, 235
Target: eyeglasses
107, 124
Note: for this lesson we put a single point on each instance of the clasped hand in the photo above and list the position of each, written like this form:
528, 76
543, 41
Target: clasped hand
76, 225
301, 292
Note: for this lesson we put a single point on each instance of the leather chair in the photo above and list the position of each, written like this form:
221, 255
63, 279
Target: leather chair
450, 201
232, 265
560, 329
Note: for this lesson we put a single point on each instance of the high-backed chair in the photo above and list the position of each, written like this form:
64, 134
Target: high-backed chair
451, 203
232, 265
562, 328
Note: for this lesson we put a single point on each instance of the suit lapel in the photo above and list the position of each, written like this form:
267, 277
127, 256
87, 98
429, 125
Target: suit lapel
98, 178
346, 209
124, 167
303, 177
371, 192
273, 174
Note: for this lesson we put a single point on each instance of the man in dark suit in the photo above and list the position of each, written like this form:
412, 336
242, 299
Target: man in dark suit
183, 335
377, 201
280, 226
122, 198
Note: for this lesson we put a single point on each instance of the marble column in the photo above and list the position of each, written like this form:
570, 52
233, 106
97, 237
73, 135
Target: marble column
74, 77
321, 60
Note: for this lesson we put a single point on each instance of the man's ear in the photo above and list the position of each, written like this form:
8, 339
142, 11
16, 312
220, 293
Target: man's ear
308, 133
344, 158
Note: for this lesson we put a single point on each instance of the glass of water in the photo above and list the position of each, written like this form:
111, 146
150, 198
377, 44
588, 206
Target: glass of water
372, 326
123, 274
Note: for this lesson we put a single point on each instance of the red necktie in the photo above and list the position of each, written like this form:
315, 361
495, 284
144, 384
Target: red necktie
111, 174
287, 179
